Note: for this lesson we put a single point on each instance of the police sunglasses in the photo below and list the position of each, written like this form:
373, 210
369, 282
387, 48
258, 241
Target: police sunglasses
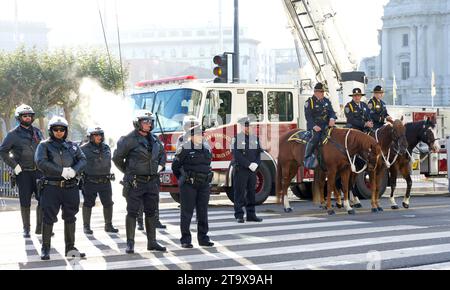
146, 121
59, 129
27, 116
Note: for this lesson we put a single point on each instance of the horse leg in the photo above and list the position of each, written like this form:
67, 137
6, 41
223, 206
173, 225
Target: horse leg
318, 185
406, 174
345, 178
355, 200
331, 187
393, 179
375, 194
337, 196
285, 182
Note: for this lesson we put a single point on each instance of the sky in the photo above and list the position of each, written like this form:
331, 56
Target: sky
76, 22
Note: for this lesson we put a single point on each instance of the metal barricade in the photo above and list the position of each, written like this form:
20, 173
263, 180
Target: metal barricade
448, 161
5, 182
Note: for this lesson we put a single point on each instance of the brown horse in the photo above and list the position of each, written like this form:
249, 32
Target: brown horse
339, 156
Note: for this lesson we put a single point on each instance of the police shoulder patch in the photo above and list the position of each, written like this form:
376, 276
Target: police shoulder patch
370, 106
179, 149
306, 104
347, 110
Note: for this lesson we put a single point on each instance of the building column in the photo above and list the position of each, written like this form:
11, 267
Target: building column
413, 46
386, 71
422, 47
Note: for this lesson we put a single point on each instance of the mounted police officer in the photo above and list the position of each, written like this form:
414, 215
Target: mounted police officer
246, 150
377, 107
192, 167
22, 143
319, 115
60, 161
140, 156
358, 113
97, 178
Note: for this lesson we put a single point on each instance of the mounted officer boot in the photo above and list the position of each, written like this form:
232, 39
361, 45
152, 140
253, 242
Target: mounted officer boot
25, 212
38, 220
69, 239
130, 226
87, 211
150, 228
140, 220
47, 231
310, 161
159, 225
107, 214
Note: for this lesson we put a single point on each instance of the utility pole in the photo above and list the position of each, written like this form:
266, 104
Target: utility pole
236, 78
221, 48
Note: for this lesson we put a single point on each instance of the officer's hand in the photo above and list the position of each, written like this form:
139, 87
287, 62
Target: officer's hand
390, 119
71, 173
17, 169
317, 129
369, 124
160, 168
332, 123
65, 173
253, 167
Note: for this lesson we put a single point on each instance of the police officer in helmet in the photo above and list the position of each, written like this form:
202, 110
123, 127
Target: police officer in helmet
246, 150
60, 161
140, 156
378, 111
319, 115
22, 143
358, 113
97, 179
192, 167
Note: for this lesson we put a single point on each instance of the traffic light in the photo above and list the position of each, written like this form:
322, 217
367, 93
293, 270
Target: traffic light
221, 70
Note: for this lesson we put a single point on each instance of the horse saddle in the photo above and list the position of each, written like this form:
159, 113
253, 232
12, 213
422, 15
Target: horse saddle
301, 137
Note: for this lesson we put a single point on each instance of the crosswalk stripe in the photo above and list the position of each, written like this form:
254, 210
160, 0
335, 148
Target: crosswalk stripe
438, 266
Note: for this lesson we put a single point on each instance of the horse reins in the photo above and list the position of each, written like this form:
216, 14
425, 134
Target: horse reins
352, 162
386, 160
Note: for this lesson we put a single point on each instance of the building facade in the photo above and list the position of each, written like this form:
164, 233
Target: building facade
29, 34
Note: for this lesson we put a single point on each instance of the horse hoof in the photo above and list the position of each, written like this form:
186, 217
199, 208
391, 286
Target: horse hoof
288, 210
358, 205
405, 205
380, 209
395, 207
339, 205
374, 210
351, 212
331, 212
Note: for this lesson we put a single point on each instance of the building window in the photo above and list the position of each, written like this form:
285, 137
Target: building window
173, 53
405, 70
281, 106
255, 105
405, 40
201, 33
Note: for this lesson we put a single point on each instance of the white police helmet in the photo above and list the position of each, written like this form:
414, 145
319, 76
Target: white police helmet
22, 110
190, 122
141, 115
57, 121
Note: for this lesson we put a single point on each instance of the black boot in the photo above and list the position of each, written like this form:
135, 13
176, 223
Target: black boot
310, 161
38, 220
150, 228
130, 226
159, 225
47, 231
87, 211
69, 238
25, 212
107, 214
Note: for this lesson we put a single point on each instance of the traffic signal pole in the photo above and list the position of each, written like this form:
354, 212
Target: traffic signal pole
236, 77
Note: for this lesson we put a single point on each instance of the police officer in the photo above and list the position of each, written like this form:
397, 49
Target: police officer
188, 123
246, 150
358, 113
377, 107
60, 161
97, 179
192, 167
140, 156
22, 143
319, 115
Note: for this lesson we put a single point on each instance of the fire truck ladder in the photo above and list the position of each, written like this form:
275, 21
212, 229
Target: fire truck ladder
313, 40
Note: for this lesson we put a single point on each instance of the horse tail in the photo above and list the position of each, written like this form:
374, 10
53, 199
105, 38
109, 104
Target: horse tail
278, 181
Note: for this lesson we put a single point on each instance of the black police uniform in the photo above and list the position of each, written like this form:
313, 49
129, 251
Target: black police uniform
97, 180
357, 115
317, 113
138, 157
22, 143
192, 168
246, 149
378, 112
52, 155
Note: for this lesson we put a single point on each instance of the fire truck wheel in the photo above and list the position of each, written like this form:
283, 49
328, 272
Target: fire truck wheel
175, 196
362, 186
264, 185
302, 190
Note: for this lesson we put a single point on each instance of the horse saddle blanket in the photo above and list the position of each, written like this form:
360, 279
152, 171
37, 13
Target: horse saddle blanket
301, 137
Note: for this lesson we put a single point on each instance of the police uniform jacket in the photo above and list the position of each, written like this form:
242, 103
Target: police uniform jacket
139, 155
318, 113
98, 159
22, 143
246, 150
54, 155
378, 110
357, 115
188, 158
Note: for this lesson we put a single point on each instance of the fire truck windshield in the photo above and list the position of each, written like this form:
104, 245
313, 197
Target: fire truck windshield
170, 107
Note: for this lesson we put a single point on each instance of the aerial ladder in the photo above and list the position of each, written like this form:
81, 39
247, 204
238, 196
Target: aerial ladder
315, 31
